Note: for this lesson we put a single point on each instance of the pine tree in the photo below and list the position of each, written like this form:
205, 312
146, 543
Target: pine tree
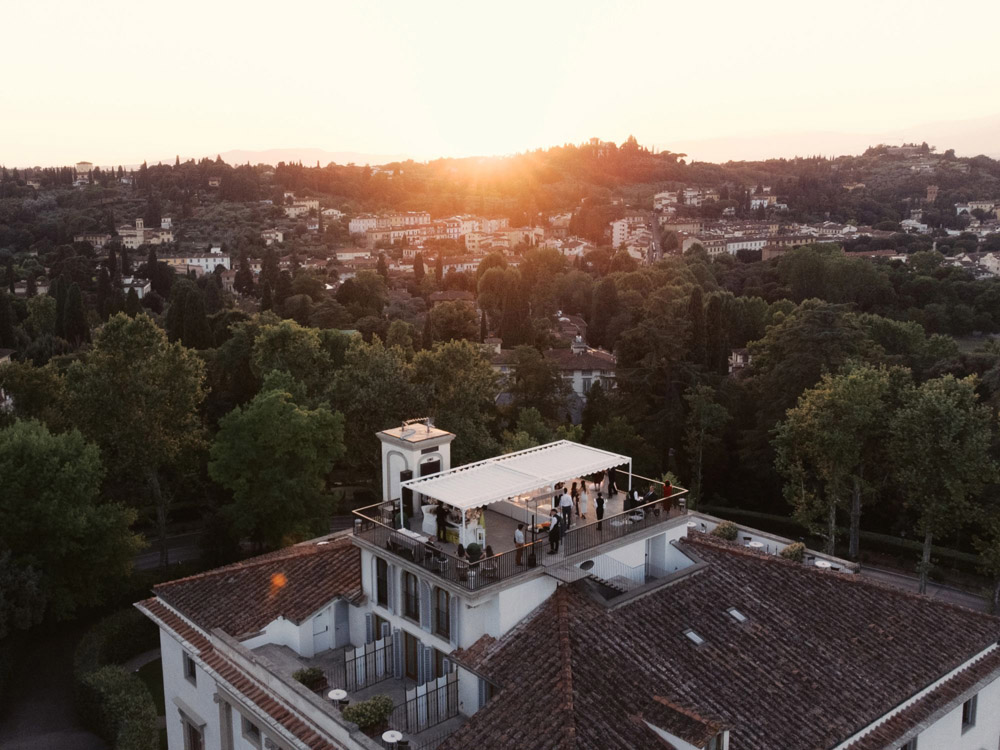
418, 267
439, 268
266, 302
132, 305
75, 328
696, 336
7, 337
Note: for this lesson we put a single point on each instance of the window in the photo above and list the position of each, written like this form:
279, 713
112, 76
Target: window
251, 732
442, 612
586, 385
911, 745
716, 743
694, 637
736, 614
192, 737
381, 582
969, 713
190, 670
411, 596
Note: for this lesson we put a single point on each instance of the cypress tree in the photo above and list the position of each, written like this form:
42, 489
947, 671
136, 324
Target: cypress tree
696, 336
175, 313
515, 326
439, 268
7, 338
382, 268
58, 291
197, 334
427, 340
284, 288
104, 293
605, 308
716, 336
213, 295
269, 270
126, 263
31, 289
132, 305
266, 303
418, 267
10, 273
75, 328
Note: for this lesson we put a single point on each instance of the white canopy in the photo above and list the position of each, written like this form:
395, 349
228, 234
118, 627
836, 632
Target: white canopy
501, 477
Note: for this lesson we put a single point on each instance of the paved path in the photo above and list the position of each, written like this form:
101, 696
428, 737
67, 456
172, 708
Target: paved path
40, 713
934, 590
138, 662
181, 547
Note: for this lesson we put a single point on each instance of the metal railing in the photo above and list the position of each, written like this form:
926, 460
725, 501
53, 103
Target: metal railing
426, 710
370, 524
362, 670
626, 523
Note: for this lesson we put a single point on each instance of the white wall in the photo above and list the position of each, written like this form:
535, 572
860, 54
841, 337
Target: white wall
198, 698
947, 731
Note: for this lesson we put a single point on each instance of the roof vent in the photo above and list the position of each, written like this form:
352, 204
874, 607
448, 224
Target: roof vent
736, 614
694, 637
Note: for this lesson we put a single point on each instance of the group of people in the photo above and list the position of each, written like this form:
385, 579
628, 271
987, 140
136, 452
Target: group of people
576, 499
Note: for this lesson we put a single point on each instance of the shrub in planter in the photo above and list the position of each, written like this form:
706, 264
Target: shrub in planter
794, 552
371, 713
312, 677
726, 530
474, 551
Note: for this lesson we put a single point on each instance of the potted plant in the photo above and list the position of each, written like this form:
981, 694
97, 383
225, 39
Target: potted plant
474, 551
370, 714
312, 677
726, 530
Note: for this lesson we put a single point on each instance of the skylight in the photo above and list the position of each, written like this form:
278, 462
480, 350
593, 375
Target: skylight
736, 614
694, 637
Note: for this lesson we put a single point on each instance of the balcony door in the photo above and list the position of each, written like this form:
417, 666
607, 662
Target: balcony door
410, 660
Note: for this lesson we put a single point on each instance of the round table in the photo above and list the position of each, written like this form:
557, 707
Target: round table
392, 736
337, 694
691, 524
756, 545
822, 564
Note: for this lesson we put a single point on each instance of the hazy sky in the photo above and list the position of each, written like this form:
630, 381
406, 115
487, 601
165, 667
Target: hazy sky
118, 82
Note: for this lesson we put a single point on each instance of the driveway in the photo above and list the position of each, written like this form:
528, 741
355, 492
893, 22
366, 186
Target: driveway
40, 713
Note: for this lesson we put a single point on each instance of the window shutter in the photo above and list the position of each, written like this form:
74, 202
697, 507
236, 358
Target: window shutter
390, 578
428, 664
373, 594
453, 623
425, 606
397, 654
369, 627
386, 630
421, 675
446, 665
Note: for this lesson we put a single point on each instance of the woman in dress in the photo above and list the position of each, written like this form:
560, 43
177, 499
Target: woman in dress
574, 493
582, 505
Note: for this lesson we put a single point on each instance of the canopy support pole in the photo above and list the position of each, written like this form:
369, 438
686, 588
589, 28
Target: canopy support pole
630, 475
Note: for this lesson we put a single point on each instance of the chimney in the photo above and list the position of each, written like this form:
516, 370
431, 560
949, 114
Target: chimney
578, 347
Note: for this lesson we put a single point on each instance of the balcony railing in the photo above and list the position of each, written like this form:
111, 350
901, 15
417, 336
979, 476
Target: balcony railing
370, 524
626, 523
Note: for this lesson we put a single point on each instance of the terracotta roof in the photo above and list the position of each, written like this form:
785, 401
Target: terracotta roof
591, 359
680, 722
820, 657
293, 583
238, 680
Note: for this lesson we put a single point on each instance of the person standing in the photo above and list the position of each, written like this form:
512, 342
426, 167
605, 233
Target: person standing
582, 504
574, 493
554, 531
441, 514
612, 479
599, 504
518, 543
566, 505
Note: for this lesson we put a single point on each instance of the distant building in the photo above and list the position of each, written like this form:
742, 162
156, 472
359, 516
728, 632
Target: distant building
97, 239
199, 263
270, 236
739, 359
134, 237
142, 286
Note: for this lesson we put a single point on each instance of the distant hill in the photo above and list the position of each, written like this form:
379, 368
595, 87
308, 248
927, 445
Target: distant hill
968, 138
308, 156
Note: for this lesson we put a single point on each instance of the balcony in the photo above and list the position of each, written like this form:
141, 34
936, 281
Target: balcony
380, 526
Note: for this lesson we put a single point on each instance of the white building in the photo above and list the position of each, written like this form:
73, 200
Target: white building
142, 286
645, 633
133, 237
361, 224
199, 263
271, 236
624, 228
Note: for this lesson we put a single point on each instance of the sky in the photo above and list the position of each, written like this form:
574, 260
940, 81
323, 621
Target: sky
119, 82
